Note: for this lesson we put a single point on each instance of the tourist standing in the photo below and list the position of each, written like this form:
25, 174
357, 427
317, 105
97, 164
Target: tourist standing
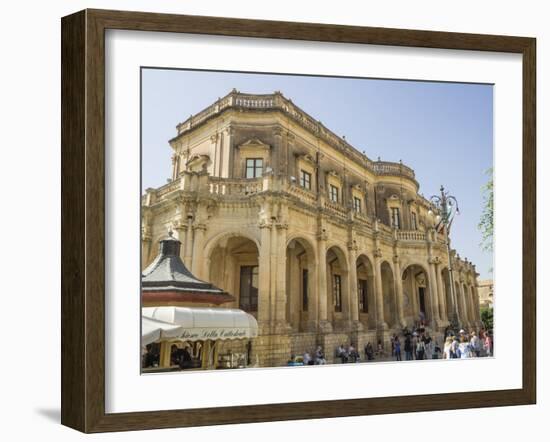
369, 351
408, 348
464, 348
447, 347
397, 348
420, 349
475, 344
429, 346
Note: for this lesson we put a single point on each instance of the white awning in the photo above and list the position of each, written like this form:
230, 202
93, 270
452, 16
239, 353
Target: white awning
198, 323
153, 330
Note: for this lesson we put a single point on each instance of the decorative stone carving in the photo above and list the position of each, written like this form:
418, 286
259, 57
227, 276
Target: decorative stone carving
322, 235
254, 144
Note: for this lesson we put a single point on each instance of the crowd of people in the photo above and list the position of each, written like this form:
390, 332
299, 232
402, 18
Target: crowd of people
472, 345
416, 344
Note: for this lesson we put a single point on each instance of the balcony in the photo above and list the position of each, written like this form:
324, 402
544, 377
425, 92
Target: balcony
411, 236
234, 187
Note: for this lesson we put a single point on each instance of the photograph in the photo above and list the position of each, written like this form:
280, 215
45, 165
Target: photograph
302, 220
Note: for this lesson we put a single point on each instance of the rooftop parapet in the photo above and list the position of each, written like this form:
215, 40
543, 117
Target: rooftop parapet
278, 102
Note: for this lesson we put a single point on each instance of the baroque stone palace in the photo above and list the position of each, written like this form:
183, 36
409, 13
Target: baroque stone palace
321, 244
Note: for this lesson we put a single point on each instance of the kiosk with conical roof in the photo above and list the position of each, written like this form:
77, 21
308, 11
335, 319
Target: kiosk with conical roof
167, 281
181, 315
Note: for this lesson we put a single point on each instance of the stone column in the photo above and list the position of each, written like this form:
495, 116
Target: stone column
398, 289
474, 305
273, 272
434, 294
414, 296
476, 300
216, 157
181, 233
188, 244
380, 322
198, 250
468, 302
464, 318
281, 297
230, 132
264, 273
352, 285
322, 295
442, 294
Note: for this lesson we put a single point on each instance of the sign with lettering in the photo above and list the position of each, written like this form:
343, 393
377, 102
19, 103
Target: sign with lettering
217, 333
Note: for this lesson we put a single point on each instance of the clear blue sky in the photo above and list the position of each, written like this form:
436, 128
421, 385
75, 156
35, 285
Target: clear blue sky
444, 131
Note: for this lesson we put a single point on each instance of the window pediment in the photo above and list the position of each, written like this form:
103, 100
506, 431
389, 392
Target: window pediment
254, 144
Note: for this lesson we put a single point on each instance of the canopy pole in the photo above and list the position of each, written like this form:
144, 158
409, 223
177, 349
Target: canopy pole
205, 355
215, 357
165, 354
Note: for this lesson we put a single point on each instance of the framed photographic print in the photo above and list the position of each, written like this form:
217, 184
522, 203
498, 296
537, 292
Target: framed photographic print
269, 220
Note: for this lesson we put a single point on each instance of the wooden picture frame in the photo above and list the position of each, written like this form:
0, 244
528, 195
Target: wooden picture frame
83, 219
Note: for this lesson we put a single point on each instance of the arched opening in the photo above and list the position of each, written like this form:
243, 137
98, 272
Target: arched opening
234, 267
300, 280
417, 294
388, 294
365, 291
337, 286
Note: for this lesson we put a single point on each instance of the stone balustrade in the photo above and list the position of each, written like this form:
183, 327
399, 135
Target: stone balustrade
277, 101
244, 188
388, 168
234, 187
411, 235
304, 195
336, 209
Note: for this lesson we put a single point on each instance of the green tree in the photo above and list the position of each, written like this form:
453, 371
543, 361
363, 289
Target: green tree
486, 222
487, 317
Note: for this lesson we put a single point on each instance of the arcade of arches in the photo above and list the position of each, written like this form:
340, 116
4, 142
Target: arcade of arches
306, 292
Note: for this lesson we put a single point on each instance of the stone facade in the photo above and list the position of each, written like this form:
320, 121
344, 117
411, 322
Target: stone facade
486, 293
321, 244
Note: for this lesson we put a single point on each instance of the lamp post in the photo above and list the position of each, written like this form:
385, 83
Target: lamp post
448, 208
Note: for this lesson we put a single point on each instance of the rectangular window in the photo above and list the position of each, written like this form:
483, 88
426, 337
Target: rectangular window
333, 193
305, 179
304, 289
254, 167
363, 300
356, 204
413, 221
337, 293
248, 294
395, 218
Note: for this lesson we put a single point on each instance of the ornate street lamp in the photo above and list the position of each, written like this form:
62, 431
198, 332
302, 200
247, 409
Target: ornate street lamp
448, 208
